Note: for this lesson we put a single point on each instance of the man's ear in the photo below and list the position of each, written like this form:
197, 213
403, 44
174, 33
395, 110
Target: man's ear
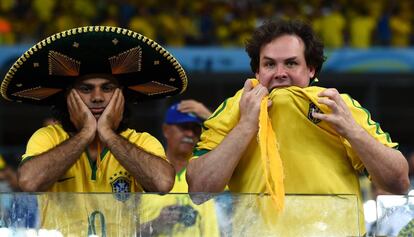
165, 130
312, 72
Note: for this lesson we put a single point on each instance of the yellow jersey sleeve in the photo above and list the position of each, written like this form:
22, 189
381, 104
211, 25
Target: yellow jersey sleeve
146, 142
44, 139
363, 117
218, 125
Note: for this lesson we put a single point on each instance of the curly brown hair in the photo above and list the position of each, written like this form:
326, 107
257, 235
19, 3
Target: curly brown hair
272, 29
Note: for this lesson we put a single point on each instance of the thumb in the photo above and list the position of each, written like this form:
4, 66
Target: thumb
248, 85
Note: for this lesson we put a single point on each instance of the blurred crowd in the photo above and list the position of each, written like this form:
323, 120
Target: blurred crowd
355, 23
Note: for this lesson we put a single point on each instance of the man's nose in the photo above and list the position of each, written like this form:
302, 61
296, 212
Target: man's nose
280, 71
97, 96
189, 132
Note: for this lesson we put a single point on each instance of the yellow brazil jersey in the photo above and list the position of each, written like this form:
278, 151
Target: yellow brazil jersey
316, 160
74, 206
195, 220
84, 175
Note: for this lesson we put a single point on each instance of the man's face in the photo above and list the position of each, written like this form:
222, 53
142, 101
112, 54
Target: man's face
283, 64
96, 93
181, 138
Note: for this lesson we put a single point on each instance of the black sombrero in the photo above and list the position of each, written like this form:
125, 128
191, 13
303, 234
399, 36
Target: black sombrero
141, 65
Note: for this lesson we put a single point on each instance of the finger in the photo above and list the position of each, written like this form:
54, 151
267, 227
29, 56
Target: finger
71, 102
78, 100
334, 95
321, 116
330, 103
182, 106
187, 108
261, 90
327, 93
113, 100
248, 85
76, 94
121, 101
69, 98
186, 103
331, 93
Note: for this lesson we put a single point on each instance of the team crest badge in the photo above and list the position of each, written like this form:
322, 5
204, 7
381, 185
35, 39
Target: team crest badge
121, 185
313, 108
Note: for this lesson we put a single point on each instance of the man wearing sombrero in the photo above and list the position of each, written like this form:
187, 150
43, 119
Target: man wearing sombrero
88, 74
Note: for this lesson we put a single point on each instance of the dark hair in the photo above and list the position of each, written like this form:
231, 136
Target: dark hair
272, 29
61, 113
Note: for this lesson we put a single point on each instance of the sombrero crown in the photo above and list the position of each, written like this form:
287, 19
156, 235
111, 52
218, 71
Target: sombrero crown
144, 68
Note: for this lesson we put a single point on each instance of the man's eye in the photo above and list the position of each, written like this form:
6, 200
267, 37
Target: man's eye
108, 88
84, 89
269, 64
291, 63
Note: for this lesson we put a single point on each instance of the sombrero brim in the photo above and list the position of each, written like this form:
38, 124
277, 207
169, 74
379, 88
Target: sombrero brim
144, 68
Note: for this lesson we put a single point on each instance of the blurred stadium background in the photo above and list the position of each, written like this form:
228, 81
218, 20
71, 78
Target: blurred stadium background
370, 52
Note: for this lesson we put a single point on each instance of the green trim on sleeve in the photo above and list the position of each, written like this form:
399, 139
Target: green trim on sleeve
197, 152
217, 112
370, 121
26, 159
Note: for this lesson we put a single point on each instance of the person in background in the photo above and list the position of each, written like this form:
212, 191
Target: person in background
194, 107
318, 142
171, 214
182, 129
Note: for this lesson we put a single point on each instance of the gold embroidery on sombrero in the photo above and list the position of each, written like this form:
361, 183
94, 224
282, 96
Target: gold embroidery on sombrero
62, 65
153, 88
37, 93
126, 62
